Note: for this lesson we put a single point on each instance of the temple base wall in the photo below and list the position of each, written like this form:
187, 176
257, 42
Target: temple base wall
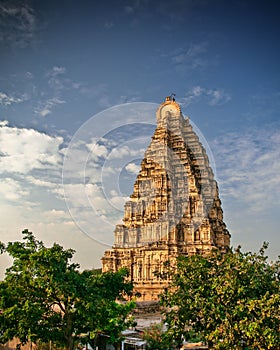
146, 263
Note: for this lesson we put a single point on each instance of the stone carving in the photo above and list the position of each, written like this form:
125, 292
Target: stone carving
174, 208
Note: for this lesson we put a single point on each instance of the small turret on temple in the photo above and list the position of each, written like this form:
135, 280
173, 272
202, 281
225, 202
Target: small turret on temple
174, 208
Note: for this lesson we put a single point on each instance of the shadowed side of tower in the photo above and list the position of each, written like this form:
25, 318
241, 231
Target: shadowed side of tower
174, 208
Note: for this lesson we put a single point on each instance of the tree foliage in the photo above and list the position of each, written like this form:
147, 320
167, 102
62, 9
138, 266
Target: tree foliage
231, 299
155, 337
44, 297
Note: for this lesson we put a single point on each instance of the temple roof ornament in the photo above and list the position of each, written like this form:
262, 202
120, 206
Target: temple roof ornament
170, 100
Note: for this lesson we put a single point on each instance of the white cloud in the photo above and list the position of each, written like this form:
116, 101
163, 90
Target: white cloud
11, 189
249, 182
80, 163
132, 168
31, 164
119, 202
29, 75
6, 100
97, 150
56, 78
55, 71
58, 81
56, 215
91, 197
217, 97
94, 205
92, 170
83, 195
193, 57
39, 182
92, 210
212, 96
125, 151
46, 107
24, 150
44, 112
249, 167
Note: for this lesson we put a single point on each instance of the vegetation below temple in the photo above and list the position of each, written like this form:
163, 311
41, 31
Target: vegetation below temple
226, 300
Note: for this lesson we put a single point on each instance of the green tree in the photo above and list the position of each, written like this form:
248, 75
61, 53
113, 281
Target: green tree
44, 297
155, 337
232, 300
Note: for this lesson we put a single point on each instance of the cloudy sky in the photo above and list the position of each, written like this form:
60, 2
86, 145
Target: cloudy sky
80, 82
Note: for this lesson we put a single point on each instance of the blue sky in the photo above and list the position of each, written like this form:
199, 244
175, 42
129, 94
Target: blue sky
66, 65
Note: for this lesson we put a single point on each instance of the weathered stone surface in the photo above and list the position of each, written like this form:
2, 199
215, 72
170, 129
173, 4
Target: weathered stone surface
174, 208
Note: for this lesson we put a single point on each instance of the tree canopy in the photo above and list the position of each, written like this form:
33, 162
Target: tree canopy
231, 300
45, 297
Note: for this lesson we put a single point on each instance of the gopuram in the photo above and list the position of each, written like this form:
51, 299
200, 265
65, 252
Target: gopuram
174, 209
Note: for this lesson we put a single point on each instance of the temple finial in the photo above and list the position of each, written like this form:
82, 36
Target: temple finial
170, 98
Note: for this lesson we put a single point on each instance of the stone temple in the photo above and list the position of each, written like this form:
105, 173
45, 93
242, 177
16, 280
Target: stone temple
174, 209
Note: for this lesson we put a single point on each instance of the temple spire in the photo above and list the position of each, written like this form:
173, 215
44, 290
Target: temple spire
174, 208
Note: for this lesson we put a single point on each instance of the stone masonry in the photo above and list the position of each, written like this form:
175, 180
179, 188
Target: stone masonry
174, 209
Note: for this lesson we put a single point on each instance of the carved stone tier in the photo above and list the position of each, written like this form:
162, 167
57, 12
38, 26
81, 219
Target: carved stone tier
174, 209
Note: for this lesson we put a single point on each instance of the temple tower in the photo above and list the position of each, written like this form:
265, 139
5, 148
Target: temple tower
174, 208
